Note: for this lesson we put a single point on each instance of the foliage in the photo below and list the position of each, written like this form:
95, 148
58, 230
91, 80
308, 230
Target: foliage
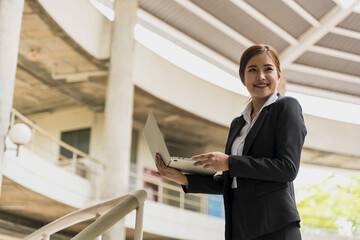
332, 205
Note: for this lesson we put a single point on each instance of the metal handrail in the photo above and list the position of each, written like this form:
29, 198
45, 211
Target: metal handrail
54, 139
108, 213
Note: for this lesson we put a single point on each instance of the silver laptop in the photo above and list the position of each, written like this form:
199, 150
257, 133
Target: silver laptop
157, 144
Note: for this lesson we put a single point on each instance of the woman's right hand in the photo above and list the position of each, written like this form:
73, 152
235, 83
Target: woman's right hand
170, 173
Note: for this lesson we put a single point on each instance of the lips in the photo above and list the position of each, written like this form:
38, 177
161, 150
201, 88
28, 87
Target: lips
261, 85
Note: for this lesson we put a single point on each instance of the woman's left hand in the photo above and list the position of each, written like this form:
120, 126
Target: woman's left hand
217, 161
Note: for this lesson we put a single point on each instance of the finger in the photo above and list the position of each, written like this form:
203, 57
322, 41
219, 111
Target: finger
159, 160
198, 163
200, 156
201, 163
196, 157
162, 165
207, 166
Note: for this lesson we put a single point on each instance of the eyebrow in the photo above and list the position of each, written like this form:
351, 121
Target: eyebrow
265, 65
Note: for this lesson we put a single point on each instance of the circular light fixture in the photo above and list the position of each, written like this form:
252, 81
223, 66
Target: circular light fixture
20, 134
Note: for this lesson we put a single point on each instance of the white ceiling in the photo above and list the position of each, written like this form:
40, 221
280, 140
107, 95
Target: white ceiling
318, 41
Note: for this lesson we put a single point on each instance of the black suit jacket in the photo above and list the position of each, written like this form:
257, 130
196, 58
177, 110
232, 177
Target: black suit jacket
265, 171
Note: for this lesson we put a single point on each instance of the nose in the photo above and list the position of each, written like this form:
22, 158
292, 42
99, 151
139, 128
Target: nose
261, 75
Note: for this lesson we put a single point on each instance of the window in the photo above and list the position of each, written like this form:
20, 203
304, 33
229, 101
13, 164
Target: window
79, 139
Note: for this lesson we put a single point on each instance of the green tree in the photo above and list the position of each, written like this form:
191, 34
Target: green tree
332, 206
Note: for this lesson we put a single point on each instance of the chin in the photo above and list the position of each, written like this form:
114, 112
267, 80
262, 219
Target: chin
265, 95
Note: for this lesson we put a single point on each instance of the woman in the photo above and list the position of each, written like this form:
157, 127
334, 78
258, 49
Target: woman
261, 160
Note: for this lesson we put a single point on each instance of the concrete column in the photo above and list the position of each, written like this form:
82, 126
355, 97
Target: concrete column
119, 108
10, 24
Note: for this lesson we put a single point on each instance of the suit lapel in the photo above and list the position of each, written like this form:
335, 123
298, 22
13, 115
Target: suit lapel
234, 131
254, 131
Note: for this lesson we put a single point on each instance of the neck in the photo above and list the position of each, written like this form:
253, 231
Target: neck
257, 105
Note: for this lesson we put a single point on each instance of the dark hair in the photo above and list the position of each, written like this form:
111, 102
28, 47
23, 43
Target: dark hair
255, 50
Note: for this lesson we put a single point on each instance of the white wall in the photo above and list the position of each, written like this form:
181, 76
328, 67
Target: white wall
182, 89
333, 136
176, 223
90, 29
55, 123
43, 177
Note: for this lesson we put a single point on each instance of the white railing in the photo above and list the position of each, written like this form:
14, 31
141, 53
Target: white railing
162, 192
108, 213
79, 161
173, 195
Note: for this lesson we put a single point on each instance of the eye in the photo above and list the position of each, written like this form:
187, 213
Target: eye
252, 70
269, 69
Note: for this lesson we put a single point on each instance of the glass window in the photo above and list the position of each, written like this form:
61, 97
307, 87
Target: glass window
79, 139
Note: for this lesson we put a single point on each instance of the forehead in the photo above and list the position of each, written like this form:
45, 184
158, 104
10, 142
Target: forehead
260, 60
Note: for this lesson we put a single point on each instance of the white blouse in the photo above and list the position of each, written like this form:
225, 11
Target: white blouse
238, 144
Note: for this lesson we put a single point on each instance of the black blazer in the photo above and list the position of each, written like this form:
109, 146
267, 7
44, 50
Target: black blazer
265, 171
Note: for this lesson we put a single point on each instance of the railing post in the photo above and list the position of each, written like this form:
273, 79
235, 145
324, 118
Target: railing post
46, 237
74, 160
182, 200
160, 192
138, 235
204, 204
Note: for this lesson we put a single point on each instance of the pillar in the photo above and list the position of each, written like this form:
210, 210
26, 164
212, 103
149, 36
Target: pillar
10, 25
119, 108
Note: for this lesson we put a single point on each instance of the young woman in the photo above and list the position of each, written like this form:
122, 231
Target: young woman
261, 159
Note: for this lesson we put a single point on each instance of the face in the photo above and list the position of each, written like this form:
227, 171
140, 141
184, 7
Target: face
261, 77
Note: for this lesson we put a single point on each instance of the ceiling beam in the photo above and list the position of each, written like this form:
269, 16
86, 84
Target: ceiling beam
186, 40
66, 89
335, 53
314, 34
199, 12
265, 21
77, 76
323, 93
107, 3
324, 73
344, 3
47, 107
346, 32
302, 12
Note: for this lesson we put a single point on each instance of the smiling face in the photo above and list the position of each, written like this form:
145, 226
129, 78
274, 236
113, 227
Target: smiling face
261, 77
